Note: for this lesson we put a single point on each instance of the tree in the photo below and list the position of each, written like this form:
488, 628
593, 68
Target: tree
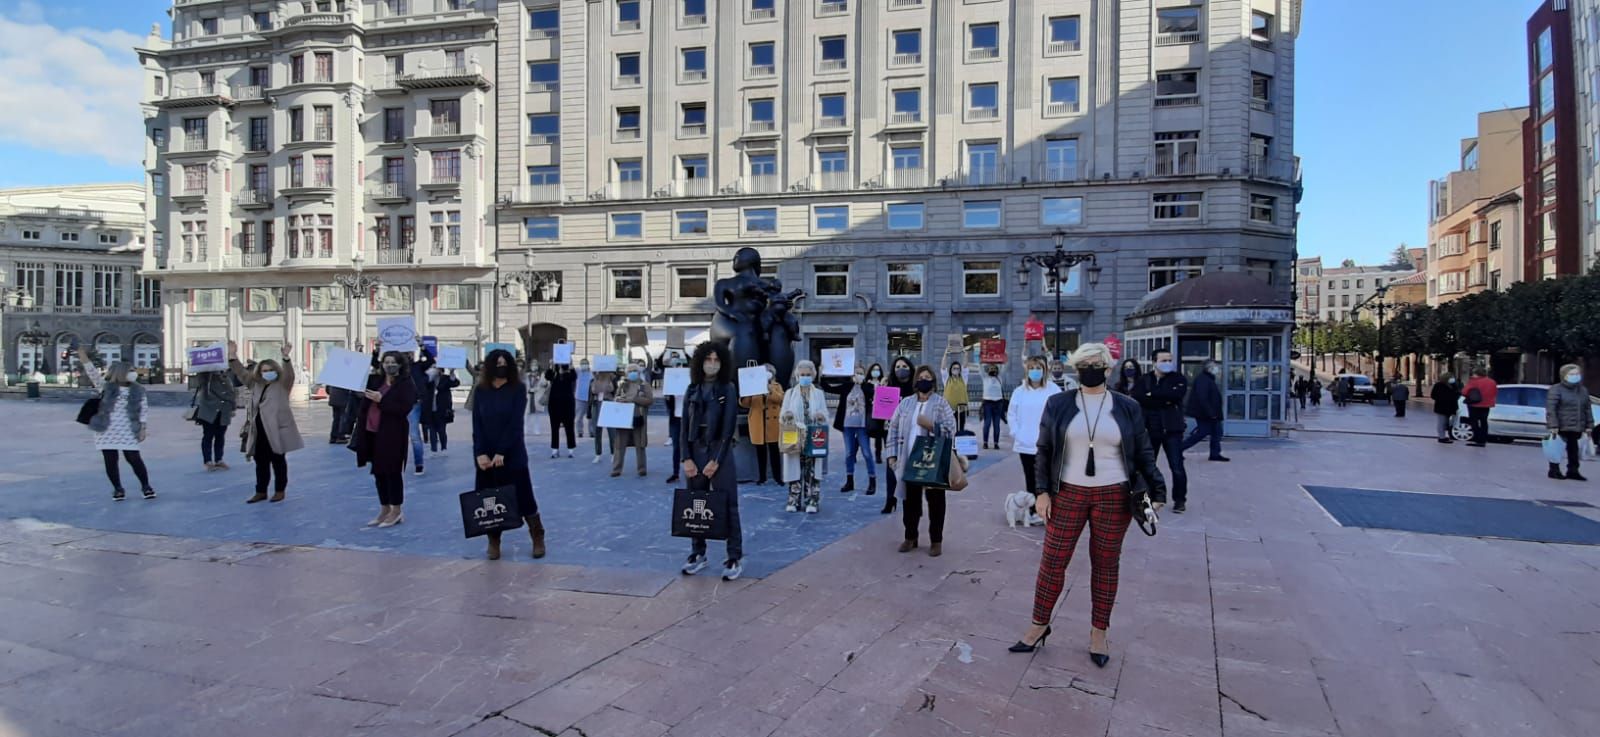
1578, 316
1401, 258
1348, 263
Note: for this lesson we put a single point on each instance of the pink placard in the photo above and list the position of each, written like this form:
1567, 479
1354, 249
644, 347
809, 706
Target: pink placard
884, 400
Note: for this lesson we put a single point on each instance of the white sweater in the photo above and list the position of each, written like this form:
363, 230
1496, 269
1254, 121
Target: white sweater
1027, 408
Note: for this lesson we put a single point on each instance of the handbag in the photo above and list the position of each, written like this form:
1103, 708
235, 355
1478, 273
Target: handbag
90, 408
489, 510
193, 410
701, 513
789, 441
817, 441
1144, 512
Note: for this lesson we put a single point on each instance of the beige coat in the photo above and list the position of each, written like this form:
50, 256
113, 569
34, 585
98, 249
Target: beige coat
270, 402
764, 412
640, 396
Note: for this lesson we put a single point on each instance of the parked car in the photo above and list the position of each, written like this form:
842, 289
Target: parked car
1518, 414
1363, 390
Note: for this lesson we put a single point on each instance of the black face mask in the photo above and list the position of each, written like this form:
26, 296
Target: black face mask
502, 372
1129, 371
924, 386
1092, 377
391, 369
902, 373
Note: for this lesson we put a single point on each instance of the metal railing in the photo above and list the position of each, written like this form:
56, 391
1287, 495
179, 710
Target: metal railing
691, 187
831, 65
763, 70
982, 176
629, 80
246, 92
831, 121
253, 197
983, 53
983, 113
692, 129
1061, 47
1180, 37
538, 193
905, 3
544, 86
761, 184
694, 75
1257, 103
833, 181
631, 190
761, 126
323, 19
905, 60
444, 128
185, 93
906, 177
544, 139
248, 259
628, 134
445, 177
905, 117
1060, 107
763, 13
1059, 171
1178, 100
393, 256
190, 142
694, 21
448, 71
389, 190
833, 7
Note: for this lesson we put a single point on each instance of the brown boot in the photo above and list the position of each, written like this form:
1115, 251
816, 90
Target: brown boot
494, 546
260, 496
277, 496
935, 550
536, 531
907, 546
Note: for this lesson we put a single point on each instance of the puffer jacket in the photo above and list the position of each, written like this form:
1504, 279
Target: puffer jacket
1566, 408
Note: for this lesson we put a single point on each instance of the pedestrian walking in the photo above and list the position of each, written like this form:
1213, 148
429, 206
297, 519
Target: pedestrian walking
877, 429
418, 372
1128, 374
764, 410
1446, 398
1094, 451
438, 407
1400, 395
923, 413
850, 417
902, 380
498, 446
121, 424
1160, 393
1568, 415
993, 407
804, 407
1301, 389
338, 403
563, 407
955, 392
634, 389
580, 395
1481, 394
213, 402
673, 425
601, 390
1205, 406
383, 431
270, 431
1027, 410
1316, 392
710, 421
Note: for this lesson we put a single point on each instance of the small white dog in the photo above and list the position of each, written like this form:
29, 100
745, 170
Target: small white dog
1016, 510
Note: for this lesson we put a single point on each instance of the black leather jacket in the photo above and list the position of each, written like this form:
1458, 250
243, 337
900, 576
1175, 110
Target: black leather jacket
1138, 457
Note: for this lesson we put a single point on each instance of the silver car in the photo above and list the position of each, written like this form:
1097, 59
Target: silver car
1518, 414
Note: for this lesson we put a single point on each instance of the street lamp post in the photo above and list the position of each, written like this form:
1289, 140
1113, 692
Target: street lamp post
1381, 308
1057, 264
357, 286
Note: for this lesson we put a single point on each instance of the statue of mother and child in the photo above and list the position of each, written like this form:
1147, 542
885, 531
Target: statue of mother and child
754, 317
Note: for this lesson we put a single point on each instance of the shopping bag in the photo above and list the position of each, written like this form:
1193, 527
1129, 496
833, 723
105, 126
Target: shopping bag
489, 510
1555, 450
789, 440
929, 462
90, 408
700, 513
817, 441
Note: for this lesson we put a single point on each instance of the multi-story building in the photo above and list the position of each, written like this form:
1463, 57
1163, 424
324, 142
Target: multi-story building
1475, 212
1344, 288
291, 143
1554, 162
1584, 16
894, 159
70, 257
1308, 288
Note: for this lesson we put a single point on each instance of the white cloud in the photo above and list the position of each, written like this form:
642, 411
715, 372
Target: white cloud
74, 91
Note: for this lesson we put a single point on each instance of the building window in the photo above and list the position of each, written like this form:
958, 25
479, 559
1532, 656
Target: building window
445, 117
980, 214
1547, 140
258, 134
1547, 94
762, 9
68, 236
1260, 154
30, 281
408, 233
833, 164
1062, 34
980, 278
831, 54
322, 169
830, 280
907, 162
107, 288
761, 220
544, 176
1177, 88
983, 162
1061, 159
983, 101
297, 69
763, 59
695, 169
1061, 96
1261, 91
1360, 283
627, 124
1263, 208
692, 222
627, 225
208, 300
394, 125
630, 171
110, 239
446, 167
833, 7
263, 299
907, 47
694, 64
627, 15
763, 165
446, 233
455, 297
194, 178
762, 115
983, 41
324, 66
627, 284
1260, 268
544, 228
628, 70
545, 22
1344, 299
149, 295
1175, 206
831, 218
1177, 25
1494, 236
69, 285
1061, 211
831, 111
905, 215
392, 298
1261, 28
544, 129
544, 76
693, 282
907, 105
1177, 152
325, 299
694, 12
1543, 55
380, 228
1169, 271
694, 119
208, 26
906, 341
906, 278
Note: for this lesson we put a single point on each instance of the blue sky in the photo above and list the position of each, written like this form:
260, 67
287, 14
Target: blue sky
1385, 89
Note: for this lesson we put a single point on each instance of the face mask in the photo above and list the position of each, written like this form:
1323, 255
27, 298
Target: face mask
804, 380
1035, 374
1130, 371
876, 374
392, 369
711, 368
994, 372
1092, 376
503, 372
1213, 370
955, 372
633, 376
1165, 367
583, 369
902, 373
1055, 374
924, 386
860, 378
269, 375
1452, 381
1574, 378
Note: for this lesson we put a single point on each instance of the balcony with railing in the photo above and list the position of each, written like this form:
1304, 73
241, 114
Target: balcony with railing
694, 75
831, 65
1263, 167
389, 193
1176, 38
692, 130
393, 256
698, 187
463, 74
441, 127
544, 139
981, 175
630, 80
629, 190
905, 60
188, 143
1183, 165
1055, 48
760, 184
983, 113
763, 13
760, 127
247, 259
1261, 105
1055, 108
832, 181
537, 193
1190, 100
833, 7
905, 177
763, 70
697, 20
197, 96
905, 3
249, 93
828, 122
983, 53
299, 18
905, 117
1059, 171
252, 199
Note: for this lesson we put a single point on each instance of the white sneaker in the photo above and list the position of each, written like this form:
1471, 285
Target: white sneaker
732, 570
695, 564
791, 508
569, 454
811, 509
596, 459
555, 454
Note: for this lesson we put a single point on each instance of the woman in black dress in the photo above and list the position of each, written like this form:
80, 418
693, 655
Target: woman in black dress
498, 406
900, 378
710, 419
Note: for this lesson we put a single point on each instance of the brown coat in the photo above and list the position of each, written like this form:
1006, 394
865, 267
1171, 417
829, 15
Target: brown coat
270, 402
640, 396
764, 413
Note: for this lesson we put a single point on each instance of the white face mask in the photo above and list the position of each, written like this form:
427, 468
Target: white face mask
1574, 379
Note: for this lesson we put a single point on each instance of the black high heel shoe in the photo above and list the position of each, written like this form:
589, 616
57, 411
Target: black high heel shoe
1023, 647
1099, 659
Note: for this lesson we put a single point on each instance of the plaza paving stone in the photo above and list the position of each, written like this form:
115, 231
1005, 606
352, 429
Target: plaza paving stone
1253, 615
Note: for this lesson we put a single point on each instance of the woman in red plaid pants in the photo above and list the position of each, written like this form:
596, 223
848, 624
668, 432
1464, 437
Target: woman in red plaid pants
1092, 450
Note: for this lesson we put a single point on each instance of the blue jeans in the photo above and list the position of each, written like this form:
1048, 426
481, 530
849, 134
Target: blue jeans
1172, 443
1204, 429
992, 417
855, 438
415, 418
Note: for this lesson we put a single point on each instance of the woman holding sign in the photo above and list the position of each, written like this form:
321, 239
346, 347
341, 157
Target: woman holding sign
851, 418
383, 430
213, 406
634, 390
763, 426
922, 413
498, 446
270, 430
900, 381
710, 417
805, 408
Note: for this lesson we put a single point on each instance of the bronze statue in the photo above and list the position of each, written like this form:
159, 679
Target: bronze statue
753, 316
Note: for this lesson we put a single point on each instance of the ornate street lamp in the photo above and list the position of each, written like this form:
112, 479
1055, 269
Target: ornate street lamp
358, 286
1057, 266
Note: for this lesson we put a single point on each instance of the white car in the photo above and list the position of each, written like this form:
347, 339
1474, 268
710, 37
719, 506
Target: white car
1363, 390
1518, 414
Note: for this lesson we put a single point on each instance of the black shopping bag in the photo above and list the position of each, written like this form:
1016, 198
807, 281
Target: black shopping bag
489, 510
929, 463
700, 513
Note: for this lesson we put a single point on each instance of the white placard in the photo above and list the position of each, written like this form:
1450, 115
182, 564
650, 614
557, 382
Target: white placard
677, 408
561, 354
656, 341
838, 361
753, 381
676, 382
398, 333
345, 369
451, 357
967, 445
602, 364
213, 357
616, 415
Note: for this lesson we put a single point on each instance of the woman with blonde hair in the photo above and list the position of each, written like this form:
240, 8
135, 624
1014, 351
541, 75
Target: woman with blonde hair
1027, 408
1093, 456
270, 432
121, 423
805, 405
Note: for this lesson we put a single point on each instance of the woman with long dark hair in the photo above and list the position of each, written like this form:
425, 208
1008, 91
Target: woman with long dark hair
876, 429
383, 433
710, 420
922, 413
498, 406
1127, 377
899, 378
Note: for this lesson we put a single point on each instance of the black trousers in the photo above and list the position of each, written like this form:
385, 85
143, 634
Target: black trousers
1172, 442
911, 512
438, 435
1028, 460
337, 426
557, 423
1573, 453
1399, 408
767, 455
391, 487
1479, 417
212, 435
270, 465
114, 472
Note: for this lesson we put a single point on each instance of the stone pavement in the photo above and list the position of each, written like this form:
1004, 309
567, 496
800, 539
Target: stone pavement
1253, 615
